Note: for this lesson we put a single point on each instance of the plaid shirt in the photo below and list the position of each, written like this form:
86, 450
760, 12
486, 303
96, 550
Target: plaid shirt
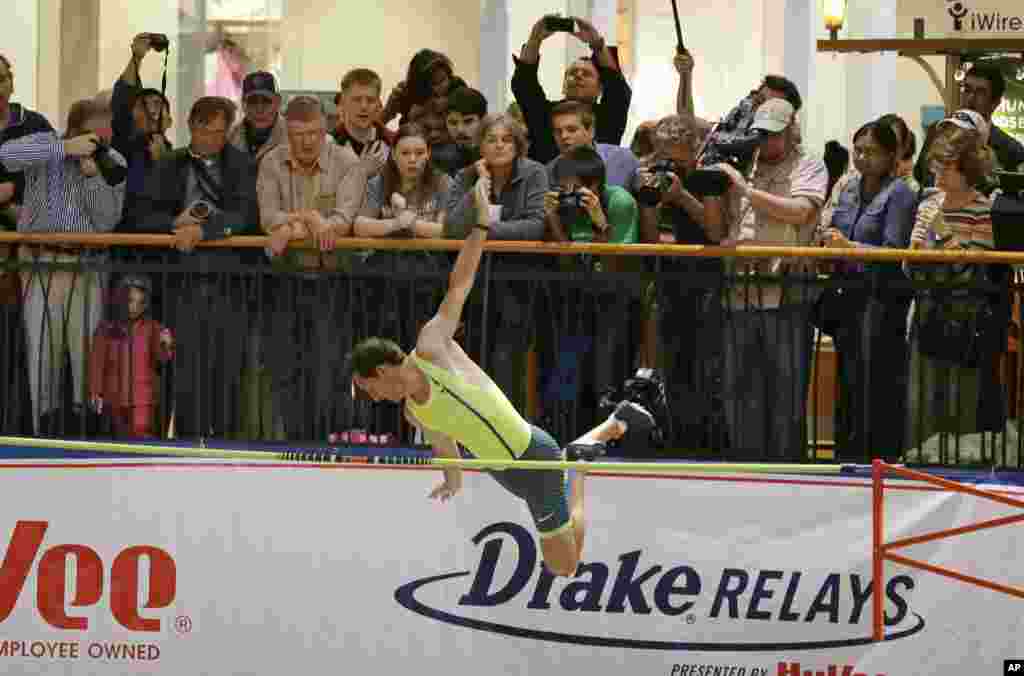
58, 196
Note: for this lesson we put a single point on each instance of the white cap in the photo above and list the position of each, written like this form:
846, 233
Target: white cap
773, 116
970, 120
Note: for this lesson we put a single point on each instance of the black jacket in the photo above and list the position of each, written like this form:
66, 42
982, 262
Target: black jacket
24, 122
610, 113
1009, 151
165, 189
133, 146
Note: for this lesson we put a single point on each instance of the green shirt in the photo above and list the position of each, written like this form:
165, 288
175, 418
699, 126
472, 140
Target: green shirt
480, 418
622, 214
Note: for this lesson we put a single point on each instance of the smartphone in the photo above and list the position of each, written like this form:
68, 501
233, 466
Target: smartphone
558, 24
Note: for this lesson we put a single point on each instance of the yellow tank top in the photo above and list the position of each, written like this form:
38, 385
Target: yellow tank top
480, 418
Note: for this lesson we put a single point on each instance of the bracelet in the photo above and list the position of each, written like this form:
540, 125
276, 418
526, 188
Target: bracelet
485, 228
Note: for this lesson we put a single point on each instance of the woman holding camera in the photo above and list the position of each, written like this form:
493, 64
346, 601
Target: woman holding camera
866, 317
958, 334
685, 304
665, 202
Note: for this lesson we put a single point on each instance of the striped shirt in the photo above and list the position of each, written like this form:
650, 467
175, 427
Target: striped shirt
58, 196
969, 226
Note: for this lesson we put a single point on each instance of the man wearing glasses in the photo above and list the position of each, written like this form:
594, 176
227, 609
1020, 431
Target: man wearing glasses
982, 91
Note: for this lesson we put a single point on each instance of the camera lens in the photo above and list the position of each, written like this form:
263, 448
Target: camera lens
648, 196
112, 172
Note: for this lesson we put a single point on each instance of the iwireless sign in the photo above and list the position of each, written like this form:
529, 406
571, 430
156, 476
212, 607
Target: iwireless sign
633, 589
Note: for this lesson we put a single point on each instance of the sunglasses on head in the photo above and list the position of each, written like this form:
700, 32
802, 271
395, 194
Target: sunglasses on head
964, 117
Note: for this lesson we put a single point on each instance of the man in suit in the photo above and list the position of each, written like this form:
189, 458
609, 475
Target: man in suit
203, 192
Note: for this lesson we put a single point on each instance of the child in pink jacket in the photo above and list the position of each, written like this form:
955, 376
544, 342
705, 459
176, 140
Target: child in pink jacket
127, 353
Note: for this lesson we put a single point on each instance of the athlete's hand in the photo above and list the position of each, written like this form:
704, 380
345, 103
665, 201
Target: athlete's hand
451, 486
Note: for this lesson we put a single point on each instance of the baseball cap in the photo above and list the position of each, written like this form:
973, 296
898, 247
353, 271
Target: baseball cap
773, 116
260, 83
970, 120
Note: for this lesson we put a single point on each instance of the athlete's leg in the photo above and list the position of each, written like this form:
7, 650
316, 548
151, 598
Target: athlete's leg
611, 429
563, 549
628, 419
579, 524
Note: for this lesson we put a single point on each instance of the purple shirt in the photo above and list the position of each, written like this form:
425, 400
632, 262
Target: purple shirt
620, 165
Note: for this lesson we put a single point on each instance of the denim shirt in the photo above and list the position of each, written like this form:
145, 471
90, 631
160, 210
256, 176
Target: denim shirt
885, 221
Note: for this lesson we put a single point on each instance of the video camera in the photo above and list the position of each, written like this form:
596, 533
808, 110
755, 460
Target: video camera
732, 142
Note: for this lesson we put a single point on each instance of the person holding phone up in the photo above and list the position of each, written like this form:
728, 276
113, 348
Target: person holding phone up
595, 79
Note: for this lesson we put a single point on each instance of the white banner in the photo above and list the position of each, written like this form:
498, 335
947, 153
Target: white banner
217, 569
963, 18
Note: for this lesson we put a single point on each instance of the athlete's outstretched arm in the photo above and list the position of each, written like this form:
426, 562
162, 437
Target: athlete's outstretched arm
444, 447
463, 275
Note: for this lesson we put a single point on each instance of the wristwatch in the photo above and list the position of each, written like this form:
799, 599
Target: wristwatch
598, 45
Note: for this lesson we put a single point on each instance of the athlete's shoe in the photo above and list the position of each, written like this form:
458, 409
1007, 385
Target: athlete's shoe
639, 425
587, 452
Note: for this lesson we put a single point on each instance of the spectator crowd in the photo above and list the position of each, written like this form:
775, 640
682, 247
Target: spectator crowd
209, 348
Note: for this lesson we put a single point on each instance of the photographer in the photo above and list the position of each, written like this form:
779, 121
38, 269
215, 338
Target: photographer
686, 310
771, 87
670, 205
587, 79
141, 118
584, 208
75, 185
768, 345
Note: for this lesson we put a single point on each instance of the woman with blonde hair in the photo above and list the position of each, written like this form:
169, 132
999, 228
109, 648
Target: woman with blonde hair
958, 334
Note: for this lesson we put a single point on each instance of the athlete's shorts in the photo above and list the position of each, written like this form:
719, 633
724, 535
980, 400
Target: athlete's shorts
544, 491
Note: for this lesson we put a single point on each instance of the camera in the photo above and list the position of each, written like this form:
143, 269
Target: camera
158, 41
707, 182
200, 210
732, 142
557, 24
570, 205
650, 195
112, 172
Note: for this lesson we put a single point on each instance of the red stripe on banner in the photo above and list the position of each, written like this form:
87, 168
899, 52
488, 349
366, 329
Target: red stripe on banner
427, 468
